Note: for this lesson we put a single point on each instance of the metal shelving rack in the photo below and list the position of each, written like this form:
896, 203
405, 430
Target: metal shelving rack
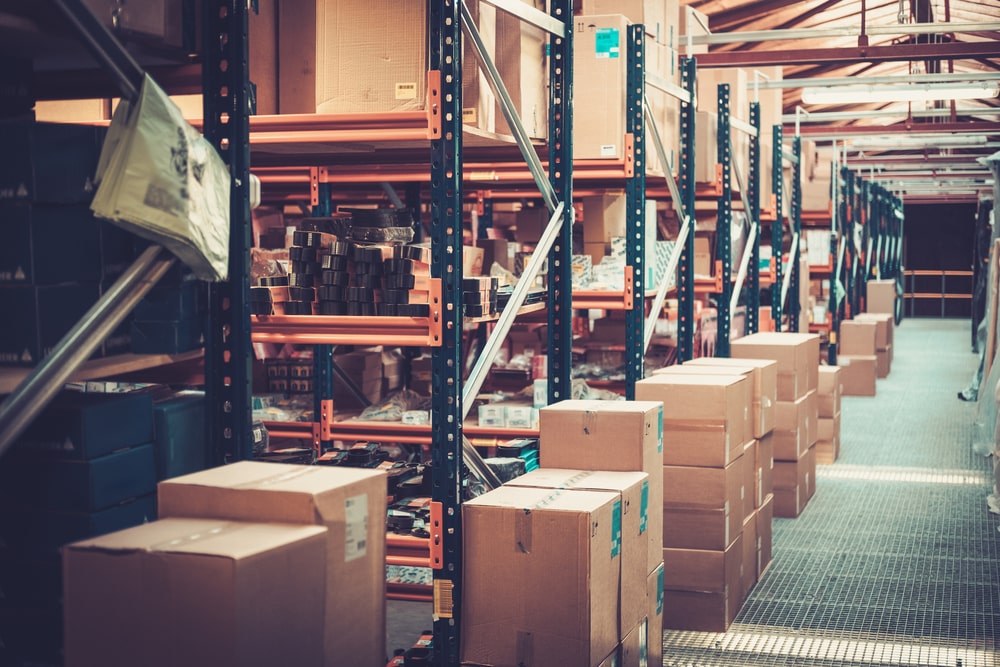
724, 223
635, 207
753, 210
795, 221
777, 227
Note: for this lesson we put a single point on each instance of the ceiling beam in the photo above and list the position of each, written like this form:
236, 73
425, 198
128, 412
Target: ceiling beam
898, 52
725, 20
908, 128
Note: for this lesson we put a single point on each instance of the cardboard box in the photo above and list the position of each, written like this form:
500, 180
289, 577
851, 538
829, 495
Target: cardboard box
530, 223
795, 427
828, 428
765, 470
748, 567
857, 374
704, 507
632, 651
794, 484
350, 503
562, 610
46, 245
634, 518
881, 297
50, 163
765, 527
179, 434
603, 217
827, 451
693, 23
522, 61
857, 337
44, 315
884, 332
764, 378
701, 570
707, 611
883, 362
196, 592
789, 503
650, 13
829, 391
608, 435
704, 261
810, 473
654, 617
705, 418
797, 356
706, 142
85, 426
599, 63
500, 251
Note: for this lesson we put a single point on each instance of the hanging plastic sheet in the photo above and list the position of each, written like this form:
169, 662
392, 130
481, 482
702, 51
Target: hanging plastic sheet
162, 180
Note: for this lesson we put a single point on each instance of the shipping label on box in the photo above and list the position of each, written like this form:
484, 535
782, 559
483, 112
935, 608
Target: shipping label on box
493, 415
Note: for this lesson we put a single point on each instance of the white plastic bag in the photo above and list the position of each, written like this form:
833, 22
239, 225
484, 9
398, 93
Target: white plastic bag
161, 179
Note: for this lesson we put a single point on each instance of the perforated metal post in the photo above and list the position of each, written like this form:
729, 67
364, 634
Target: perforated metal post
794, 306
446, 264
560, 313
685, 267
635, 210
851, 261
227, 100
724, 223
322, 354
777, 228
753, 194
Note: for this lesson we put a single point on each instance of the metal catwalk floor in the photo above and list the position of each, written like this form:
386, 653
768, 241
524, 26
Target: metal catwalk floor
895, 561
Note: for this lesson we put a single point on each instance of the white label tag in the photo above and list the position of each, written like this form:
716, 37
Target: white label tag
356, 527
609, 150
406, 91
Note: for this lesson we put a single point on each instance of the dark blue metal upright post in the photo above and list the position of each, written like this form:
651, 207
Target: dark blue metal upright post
850, 256
560, 314
446, 264
322, 354
724, 223
753, 194
685, 267
777, 227
486, 221
635, 211
794, 306
227, 101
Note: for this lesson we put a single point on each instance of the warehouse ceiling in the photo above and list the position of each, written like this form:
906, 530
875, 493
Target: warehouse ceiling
877, 41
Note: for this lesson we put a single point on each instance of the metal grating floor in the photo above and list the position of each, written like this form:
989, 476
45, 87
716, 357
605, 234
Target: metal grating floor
895, 561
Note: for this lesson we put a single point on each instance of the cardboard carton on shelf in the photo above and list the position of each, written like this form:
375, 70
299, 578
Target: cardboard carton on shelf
350, 503
561, 610
188, 592
599, 63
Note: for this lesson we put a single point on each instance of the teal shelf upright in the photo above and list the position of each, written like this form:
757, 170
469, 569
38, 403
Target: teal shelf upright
753, 208
635, 210
685, 267
724, 223
777, 228
795, 220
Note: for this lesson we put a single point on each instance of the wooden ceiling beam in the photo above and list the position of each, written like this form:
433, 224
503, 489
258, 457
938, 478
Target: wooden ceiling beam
873, 54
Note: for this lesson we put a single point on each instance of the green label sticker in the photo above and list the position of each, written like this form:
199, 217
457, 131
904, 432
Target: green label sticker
616, 528
659, 591
644, 507
659, 432
607, 43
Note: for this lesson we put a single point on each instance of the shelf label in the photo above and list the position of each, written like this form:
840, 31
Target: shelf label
406, 91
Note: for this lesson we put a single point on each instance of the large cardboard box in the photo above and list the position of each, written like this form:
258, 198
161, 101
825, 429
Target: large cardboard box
654, 617
706, 138
797, 355
881, 297
599, 63
692, 23
703, 507
884, 332
196, 592
794, 483
523, 65
857, 337
710, 610
828, 428
540, 577
748, 568
829, 391
883, 362
350, 503
765, 470
704, 260
748, 488
608, 435
795, 427
736, 78
857, 374
634, 516
764, 378
827, 451
765, 527
705, 417
705, 570
650, 13
603, 217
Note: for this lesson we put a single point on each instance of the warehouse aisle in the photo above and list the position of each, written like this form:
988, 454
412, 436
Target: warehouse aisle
895, 561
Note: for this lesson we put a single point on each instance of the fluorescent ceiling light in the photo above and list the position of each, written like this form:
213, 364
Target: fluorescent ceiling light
918, 141
902, 93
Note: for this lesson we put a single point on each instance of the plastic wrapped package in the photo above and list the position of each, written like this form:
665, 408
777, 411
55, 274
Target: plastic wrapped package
267, 263
392, 407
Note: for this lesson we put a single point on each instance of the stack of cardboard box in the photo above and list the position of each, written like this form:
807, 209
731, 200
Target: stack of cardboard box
856, 356
319, 562
796, 413
828, 444
883, 341
599, 493
880, 296
707, 427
